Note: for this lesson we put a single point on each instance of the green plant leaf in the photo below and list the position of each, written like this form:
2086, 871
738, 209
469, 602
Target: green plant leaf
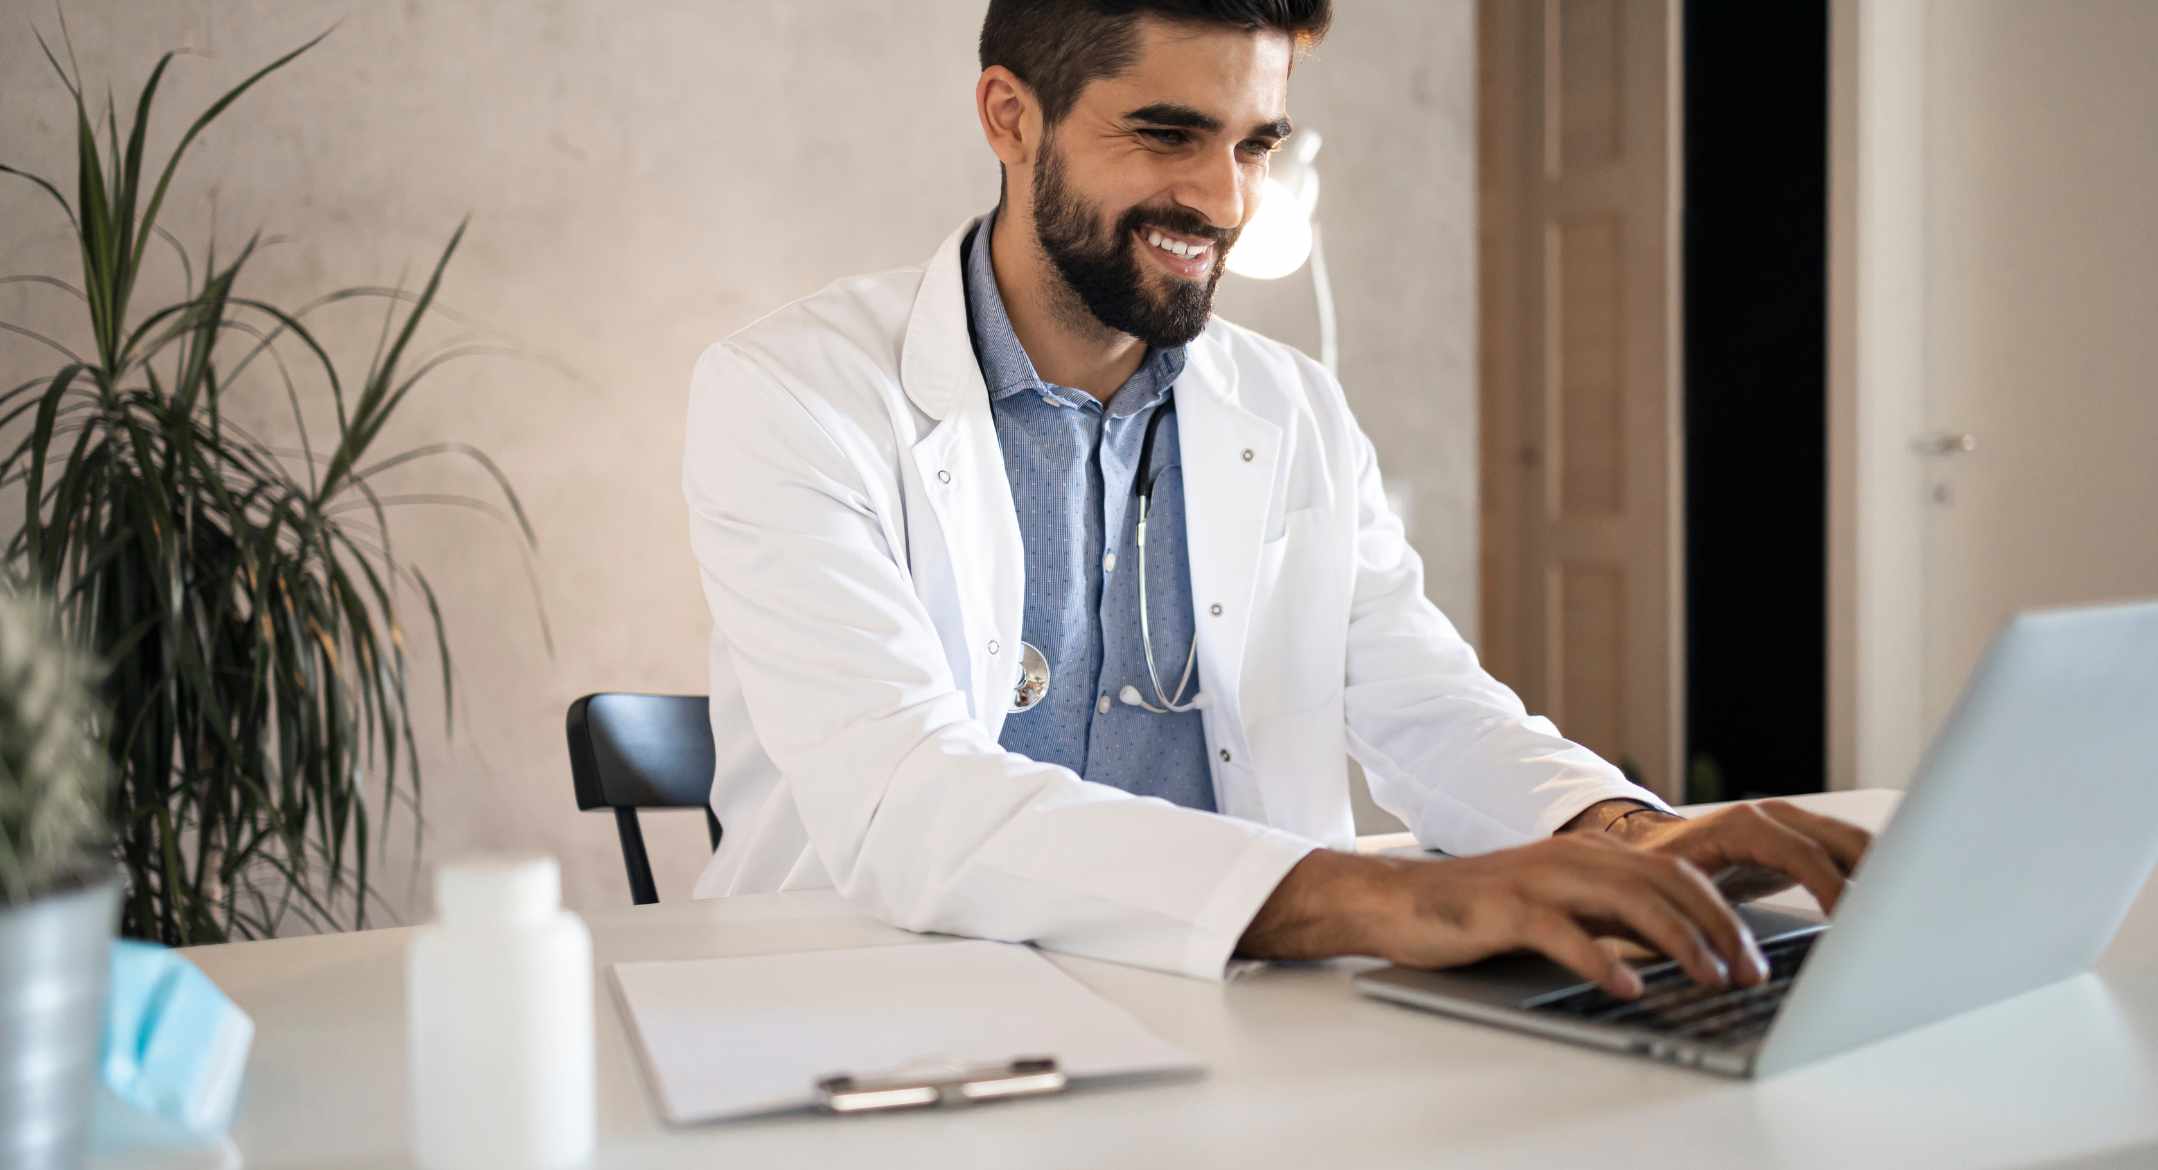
48, 342
370, 411
39, 278
172, 162
130, 175
49, 189
40, 436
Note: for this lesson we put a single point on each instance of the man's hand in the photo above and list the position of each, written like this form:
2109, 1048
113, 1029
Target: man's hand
1758, 848
1552, 896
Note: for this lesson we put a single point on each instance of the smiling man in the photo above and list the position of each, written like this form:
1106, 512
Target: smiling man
1048, 607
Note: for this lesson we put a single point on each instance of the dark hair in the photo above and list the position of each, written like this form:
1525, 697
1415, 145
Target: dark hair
1057, 46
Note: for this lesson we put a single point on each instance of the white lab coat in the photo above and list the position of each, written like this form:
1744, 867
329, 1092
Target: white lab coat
859, 549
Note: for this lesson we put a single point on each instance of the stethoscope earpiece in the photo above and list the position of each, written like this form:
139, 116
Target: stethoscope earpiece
1131, 697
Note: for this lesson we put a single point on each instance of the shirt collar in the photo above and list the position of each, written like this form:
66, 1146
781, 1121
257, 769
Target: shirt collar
1007, 369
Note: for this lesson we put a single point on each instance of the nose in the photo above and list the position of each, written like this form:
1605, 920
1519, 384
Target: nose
1214, 185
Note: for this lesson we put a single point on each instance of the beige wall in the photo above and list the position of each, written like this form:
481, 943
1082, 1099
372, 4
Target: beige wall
643, 179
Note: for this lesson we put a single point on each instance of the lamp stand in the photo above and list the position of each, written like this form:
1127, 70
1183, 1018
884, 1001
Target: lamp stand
1322, 291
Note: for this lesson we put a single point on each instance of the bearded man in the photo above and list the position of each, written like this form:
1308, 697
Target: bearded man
1048, 607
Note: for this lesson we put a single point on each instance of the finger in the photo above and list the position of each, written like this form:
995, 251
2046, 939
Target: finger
1710, 912
1693, 898
1766, 841
1563, 941
1628, 896
1739, 884
1845, 842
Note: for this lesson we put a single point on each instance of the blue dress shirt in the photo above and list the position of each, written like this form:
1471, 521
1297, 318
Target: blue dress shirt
1072, 465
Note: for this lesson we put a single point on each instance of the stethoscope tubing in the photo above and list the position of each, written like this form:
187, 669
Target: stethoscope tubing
1164, 702
1144, 489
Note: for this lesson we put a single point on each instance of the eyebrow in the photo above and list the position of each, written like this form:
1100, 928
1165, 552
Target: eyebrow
1185, 117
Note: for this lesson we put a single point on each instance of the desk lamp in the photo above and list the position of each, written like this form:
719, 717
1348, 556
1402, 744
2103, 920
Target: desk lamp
1282, 235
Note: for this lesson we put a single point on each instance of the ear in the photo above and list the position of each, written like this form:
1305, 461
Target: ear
1010, 116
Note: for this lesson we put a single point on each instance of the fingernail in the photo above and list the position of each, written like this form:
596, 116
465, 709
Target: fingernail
1756, 960
1723, 972
1629, 982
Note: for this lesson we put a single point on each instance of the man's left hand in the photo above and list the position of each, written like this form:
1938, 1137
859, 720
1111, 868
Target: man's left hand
1758, 848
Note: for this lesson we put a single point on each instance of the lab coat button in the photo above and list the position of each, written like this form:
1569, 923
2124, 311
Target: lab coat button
943, 476
994, 646
1248, 455
1225, 755
1214, 609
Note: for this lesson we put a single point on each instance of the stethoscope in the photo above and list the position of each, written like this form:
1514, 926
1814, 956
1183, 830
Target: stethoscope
1033, 683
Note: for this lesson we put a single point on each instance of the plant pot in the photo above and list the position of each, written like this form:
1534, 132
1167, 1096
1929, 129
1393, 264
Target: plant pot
55, 961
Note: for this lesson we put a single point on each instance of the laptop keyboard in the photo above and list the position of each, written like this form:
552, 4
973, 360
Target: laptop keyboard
1674, 1004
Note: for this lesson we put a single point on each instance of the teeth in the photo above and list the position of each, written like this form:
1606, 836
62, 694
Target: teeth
1174, 247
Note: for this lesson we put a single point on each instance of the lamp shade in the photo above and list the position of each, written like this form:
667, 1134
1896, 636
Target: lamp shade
1277, 241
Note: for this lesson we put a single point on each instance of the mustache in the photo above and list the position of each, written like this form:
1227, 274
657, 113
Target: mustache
1175, 219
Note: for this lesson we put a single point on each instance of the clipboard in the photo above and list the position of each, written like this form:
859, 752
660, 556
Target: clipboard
871, 1029
1032, 1076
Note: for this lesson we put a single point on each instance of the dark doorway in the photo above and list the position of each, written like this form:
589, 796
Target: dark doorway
1756, 294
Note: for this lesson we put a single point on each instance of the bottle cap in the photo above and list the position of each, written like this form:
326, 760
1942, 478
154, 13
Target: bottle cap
498, 889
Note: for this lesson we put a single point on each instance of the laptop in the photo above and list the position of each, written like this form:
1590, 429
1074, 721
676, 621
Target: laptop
2029, 829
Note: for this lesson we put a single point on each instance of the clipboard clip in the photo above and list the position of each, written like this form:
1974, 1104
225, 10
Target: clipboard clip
1034, 1076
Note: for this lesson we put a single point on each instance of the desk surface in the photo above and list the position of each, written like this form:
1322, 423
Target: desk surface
1303, 1072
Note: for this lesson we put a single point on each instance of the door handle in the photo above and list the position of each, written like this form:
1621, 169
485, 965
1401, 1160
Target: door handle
1945, 443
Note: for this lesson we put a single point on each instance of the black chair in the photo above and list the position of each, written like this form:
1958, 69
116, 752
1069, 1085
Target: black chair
628, 752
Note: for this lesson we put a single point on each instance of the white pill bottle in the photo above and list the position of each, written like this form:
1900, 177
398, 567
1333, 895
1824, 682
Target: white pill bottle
499, 1007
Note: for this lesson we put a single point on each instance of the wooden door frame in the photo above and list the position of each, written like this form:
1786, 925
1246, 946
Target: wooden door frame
1876, 391
1502, 138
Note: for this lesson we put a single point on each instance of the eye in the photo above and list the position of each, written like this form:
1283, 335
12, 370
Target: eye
1260, 149
1166, 137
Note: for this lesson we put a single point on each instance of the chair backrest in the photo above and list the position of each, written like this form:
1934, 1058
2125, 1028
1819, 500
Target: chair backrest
630, 752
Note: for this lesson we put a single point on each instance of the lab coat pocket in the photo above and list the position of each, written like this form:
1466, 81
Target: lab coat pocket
1297, 650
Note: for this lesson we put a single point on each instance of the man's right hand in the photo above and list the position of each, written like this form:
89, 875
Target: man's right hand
1553, 896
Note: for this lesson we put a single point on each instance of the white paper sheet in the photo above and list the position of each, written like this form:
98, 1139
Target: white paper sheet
733, 1037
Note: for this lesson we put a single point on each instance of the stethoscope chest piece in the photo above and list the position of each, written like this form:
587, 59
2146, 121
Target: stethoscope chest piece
1033, 681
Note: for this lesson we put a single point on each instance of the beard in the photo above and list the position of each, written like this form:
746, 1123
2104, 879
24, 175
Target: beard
1100, 267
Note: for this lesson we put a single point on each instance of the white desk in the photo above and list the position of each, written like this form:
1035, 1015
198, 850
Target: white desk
1304, 1073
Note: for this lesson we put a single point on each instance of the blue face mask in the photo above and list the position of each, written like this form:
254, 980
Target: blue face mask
175, 1046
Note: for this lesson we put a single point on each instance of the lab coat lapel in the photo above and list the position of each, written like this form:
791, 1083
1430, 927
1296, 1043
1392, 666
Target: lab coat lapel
1230, 457
972, 565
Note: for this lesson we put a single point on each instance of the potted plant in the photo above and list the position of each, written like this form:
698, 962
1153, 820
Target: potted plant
59, 891
242, 599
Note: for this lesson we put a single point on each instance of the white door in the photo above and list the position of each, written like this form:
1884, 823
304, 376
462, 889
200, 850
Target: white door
2042, 316
2024, 329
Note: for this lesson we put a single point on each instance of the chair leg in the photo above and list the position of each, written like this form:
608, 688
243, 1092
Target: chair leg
641, 890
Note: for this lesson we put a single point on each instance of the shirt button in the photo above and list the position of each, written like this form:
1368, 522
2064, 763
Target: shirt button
1101, 705
1247, 455
1108, 562
1214, 609
1225, 755
993, 646
943, 476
